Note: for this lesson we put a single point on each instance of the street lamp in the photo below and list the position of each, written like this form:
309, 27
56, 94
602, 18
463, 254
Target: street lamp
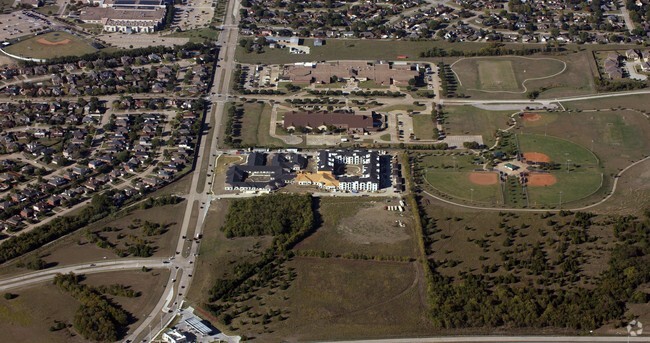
567, 165
472, 194
560, 199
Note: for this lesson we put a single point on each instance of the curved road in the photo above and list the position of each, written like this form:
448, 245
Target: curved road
85, 268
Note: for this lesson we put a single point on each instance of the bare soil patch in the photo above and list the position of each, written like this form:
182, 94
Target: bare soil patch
47, 42
531, 116
363, 227
483, 178
541, 180
536, 157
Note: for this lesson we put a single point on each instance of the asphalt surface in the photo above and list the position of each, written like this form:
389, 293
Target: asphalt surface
29, 279
179, 282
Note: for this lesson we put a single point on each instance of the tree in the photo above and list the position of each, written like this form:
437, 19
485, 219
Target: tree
10, 296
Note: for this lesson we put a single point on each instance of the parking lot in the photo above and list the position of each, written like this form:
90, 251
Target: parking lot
193, 14
18, 24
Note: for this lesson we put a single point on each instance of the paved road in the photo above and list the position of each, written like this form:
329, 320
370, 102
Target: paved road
626, 16
85, 268
186, 250
505, 339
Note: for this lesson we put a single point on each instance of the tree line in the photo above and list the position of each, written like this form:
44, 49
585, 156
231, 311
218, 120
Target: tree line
97, 318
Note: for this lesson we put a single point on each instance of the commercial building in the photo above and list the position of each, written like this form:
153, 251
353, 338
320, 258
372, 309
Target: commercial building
382, 73
173, 336
258, 175
350, 122
355, 170
127, 16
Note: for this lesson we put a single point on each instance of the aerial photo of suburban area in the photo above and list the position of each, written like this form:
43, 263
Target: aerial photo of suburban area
352, 171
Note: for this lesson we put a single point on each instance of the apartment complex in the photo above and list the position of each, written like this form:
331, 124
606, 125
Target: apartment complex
365, 163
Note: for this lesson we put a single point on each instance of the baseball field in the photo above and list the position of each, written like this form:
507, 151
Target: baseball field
50, 45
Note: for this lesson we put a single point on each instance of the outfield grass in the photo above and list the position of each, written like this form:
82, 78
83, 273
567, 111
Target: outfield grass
423, 126
559, 150
32, 48
573, 185
458, 185
469, 120
450, 175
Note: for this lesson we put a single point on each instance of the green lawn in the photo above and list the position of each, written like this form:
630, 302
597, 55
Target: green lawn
32, 48
469, 120
402, 107
458, 185
497, 75
559, 150
256, 125
372, 49
423, 126
198, 35
639, 102
573, 185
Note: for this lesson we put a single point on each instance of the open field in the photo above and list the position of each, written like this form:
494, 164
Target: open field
218, 253
28, 317
52, 44
423, 126
321, 297
256, 124
336, 299
76, 248
637, 102
513, 76
616, 137
373, 49
361, 226
469, 120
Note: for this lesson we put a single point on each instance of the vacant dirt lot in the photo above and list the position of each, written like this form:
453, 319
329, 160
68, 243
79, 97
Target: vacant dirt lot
353, 225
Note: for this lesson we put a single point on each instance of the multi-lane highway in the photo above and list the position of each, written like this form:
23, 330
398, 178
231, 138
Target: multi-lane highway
198, 200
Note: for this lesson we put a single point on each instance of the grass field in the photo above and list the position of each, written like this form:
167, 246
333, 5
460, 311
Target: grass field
28, 317
61, 44
469, 120
423, 126
617, 137
638, 102
503, 74
361, 226
497, 75
559, 150
373, 49
402, 107
505, 77
450, 175
256, 125
325, 298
